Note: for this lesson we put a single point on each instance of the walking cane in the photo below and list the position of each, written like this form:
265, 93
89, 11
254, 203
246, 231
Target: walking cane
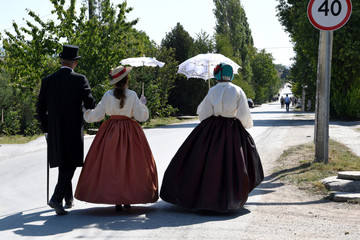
142, 89
47, 192
47, 173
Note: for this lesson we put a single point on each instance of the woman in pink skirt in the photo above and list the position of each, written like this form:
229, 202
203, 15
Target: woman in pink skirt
119, 167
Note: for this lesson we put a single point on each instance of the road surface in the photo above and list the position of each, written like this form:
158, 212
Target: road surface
273, 210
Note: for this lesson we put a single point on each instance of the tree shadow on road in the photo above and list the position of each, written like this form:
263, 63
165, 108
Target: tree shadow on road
180, 125
284, 122
266, 187
273, 181
139, 217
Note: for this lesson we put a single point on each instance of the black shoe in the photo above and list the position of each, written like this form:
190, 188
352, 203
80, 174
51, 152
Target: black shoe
69, 203
127, 206
58, 208
118, 208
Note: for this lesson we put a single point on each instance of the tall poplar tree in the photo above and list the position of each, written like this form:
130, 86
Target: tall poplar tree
233, 35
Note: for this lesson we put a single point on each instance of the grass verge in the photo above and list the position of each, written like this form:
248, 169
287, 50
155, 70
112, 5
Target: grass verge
296, 166
17, 139
157, 122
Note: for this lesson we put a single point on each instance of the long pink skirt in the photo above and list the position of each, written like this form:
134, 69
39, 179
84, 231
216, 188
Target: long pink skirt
119, 167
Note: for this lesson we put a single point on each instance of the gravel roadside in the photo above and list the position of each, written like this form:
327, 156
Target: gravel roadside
288, 212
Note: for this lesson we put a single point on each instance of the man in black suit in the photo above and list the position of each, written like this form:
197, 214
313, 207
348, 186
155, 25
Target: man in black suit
62, 96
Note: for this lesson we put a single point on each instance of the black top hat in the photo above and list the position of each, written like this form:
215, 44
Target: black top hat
70, 52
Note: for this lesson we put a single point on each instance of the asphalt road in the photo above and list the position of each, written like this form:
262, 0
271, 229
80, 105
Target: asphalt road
25, 215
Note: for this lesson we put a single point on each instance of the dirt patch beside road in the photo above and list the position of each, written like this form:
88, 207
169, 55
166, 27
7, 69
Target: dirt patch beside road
287, 211
290, 213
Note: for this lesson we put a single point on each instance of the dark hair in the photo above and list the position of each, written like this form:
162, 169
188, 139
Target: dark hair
119, 90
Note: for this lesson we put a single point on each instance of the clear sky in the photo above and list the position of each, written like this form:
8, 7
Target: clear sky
158, 17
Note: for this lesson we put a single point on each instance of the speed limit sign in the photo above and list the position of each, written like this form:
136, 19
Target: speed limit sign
329, 14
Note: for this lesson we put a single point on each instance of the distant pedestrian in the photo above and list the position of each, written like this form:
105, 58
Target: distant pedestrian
62, 96
218, 165
287, 102
119, 168
282, 102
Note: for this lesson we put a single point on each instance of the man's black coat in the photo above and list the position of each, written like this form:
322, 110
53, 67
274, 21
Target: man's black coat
59, 108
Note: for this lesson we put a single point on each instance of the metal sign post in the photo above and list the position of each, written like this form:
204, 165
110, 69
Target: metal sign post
323, 97
327, 16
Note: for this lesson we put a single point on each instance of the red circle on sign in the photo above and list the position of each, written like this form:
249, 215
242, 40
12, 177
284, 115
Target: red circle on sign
337, 26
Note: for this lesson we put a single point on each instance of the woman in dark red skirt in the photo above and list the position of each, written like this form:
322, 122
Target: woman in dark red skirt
218, 165
119, 167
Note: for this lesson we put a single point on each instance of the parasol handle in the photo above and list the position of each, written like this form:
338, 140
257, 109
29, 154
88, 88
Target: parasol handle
209, 75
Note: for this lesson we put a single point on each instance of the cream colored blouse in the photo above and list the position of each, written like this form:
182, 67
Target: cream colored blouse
110, 105
227, 100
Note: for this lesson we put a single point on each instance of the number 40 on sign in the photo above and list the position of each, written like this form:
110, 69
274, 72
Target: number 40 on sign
329, 15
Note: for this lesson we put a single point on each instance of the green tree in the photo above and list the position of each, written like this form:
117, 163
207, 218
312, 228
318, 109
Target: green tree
203, 43
181, 41
303, 77
5, 93
187, 93
158, 82
193, 90
232, 29
305, 38
32, 52
106, 38
92, 8
24, 61
265, 77
165, 83
345, 75
284, 72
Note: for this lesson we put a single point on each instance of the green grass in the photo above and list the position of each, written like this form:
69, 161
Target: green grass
297, 165
157, 122
17, 139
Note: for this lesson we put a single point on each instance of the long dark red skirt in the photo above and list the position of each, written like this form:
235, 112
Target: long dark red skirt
215, 169
119, 167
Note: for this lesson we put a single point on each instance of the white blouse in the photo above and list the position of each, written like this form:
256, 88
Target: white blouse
110, 105
227, 100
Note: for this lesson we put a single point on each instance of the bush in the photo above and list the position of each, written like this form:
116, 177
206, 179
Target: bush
11, 123
32, 128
